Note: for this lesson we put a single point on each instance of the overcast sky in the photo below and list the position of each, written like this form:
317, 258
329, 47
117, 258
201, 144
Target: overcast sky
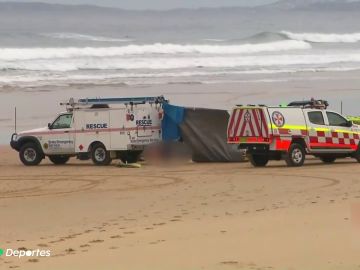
156, 4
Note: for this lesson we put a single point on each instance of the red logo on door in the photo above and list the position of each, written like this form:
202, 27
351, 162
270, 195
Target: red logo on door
278, 119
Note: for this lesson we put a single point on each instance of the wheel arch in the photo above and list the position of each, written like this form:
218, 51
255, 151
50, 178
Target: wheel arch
94, 143
29, 139
301, 141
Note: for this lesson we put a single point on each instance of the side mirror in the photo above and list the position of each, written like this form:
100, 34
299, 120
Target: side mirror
49, 125
349, 124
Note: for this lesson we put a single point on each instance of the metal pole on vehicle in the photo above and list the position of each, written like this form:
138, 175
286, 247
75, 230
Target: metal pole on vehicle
15, 120
341, 107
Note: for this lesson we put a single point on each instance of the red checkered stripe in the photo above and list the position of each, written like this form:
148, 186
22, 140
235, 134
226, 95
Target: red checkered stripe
290, 132
332, 137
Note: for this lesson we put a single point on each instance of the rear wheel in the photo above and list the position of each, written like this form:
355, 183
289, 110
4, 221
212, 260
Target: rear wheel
258, 160
59, 160
328, 159
130, 156
30, 154
295, 157
99, 155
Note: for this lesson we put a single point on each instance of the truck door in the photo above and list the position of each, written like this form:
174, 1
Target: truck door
342, 134
61, 135
144, 123
317, 130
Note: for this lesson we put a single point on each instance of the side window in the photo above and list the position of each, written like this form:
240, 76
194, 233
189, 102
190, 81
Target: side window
316, 118
63, 121
336, 119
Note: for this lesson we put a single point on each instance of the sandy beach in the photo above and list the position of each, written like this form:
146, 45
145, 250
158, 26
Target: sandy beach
189, 216
177, 214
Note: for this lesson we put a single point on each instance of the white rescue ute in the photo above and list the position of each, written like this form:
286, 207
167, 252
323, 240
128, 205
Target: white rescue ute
97, 129
291, 132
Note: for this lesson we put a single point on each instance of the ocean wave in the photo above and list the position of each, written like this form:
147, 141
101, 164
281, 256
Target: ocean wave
13, 54
264, 37
167, 63
49, 78
54, 76
214, 39
323, 38
76, 36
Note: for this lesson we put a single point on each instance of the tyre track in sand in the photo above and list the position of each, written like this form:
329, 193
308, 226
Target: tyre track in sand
83, 183
46, 184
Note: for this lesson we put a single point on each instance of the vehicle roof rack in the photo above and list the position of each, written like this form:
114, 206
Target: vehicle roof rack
106, 101
313, 104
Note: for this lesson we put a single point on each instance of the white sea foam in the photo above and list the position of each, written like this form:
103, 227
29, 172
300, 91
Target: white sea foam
12, 54
76, 36
323, 38
182, 62
49, 78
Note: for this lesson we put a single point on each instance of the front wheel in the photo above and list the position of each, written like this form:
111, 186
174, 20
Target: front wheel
30, 154
357, 154
295, 157
258, 160
99, 155
59, 160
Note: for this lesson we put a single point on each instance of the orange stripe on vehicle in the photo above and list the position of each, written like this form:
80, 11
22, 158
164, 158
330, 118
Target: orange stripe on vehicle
91, 131
331, 146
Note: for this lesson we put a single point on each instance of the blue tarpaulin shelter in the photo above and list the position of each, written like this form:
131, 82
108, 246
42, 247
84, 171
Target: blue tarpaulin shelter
173, 117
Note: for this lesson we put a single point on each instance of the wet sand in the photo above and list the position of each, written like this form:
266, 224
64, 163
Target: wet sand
37, 106
189, 216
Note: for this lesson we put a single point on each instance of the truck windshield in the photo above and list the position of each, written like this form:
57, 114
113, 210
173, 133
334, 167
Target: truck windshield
63, 121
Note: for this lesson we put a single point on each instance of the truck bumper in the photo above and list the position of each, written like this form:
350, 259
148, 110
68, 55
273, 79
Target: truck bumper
14, 143
259, 148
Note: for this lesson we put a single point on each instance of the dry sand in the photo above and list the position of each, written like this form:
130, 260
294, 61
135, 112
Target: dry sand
184, 217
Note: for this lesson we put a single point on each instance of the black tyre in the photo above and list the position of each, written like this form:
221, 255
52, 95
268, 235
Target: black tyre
295, 157
130, 156
59, 160
258, 160
328, 159
30, 154
99, 155
357, 154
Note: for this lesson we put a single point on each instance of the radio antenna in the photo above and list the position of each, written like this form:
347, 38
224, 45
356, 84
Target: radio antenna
341, 107
15, 120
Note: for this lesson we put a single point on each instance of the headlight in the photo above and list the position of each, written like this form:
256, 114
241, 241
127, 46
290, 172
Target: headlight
14, 137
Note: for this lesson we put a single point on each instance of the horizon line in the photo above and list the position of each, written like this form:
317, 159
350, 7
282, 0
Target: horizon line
135, 9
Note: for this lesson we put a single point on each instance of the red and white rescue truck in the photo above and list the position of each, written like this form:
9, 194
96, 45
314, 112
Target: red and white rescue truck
97, 129
291, 132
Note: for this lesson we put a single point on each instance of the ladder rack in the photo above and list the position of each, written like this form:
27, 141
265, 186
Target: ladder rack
313, 104
106, 101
